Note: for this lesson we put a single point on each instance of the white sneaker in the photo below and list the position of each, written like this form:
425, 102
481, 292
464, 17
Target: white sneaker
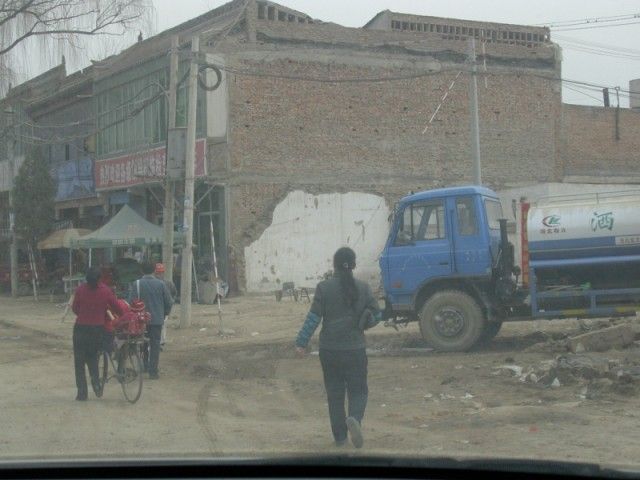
355, 432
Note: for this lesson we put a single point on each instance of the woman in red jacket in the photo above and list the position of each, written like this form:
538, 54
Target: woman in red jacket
90, 304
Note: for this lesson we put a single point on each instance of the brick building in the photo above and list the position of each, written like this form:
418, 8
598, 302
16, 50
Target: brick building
317, 129
338, 144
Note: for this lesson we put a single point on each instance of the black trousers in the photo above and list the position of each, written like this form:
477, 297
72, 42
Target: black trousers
345, 371
87, 341
151, 356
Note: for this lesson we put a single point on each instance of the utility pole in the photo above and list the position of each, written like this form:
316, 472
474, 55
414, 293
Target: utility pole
13, 248
617, 113
605, 97
189, 179
168, 213
473, 109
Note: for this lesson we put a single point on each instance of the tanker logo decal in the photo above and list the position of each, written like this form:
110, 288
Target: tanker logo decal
602, 221
551, 221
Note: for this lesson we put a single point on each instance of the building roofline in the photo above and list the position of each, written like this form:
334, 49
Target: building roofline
59, 71
375, 17
77, 81
193, 25
449, 19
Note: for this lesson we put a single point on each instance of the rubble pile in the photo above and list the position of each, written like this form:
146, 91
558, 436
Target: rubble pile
592, 336
596, 373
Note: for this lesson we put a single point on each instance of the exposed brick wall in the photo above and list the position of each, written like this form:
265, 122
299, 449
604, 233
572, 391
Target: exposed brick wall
588, 145
338, 137
250, 208
366, 130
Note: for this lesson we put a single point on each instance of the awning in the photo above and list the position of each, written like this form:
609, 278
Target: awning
62, 238
126, 228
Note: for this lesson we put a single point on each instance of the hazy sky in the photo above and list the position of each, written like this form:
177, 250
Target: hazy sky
577, 65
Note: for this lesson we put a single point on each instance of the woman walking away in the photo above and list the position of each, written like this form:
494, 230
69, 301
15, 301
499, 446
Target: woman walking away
345, 307
90, 304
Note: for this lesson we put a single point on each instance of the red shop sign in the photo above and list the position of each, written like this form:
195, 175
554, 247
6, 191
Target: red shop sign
141, 167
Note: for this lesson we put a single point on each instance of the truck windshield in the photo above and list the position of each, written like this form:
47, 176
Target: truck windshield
420, 222
494, 213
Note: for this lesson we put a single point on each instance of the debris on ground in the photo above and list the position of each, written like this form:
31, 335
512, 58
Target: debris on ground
602, 340
448, 380
549, 346
571, 368
446, 396
398, 352
567, 369
597, 374
595, 336
589, 326
515, 369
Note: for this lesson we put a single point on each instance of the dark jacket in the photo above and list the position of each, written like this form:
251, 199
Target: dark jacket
340, 330
155, 295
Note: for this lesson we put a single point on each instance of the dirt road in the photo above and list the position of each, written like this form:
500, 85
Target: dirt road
246, 394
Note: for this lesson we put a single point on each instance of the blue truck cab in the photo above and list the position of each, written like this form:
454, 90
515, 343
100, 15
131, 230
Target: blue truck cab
445, 262
448, 263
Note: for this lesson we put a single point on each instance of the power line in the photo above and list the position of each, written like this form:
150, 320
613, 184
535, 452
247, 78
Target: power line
142, 105
584, 93
623, 93
598, 90
601, 52
596, 26
604, 46
584, 21
598, 49
579, 82
306, 78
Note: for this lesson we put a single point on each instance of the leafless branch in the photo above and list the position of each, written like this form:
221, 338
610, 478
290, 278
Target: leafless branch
56, 25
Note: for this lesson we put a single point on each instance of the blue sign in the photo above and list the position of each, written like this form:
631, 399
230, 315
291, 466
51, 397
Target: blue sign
75, 180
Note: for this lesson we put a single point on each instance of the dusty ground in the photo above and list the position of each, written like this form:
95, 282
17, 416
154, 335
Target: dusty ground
247, 394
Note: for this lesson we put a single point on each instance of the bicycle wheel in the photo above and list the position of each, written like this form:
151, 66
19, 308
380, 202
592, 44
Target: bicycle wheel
130, 372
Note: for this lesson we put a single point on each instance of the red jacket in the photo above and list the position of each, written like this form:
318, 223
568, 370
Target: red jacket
91, 305
108, 323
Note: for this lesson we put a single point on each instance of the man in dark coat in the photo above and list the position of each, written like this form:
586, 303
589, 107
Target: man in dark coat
158, 302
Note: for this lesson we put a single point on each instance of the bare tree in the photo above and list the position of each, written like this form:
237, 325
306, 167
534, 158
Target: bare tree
61, 27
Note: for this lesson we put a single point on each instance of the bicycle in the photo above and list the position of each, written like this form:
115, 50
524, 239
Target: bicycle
126, 362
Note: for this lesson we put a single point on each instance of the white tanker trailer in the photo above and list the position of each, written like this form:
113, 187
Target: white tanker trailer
584, 255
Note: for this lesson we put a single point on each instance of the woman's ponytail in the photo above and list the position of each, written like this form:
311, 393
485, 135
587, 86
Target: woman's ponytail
344, 261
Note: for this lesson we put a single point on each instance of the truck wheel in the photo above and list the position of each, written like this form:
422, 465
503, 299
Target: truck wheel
490, 331
451, 321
